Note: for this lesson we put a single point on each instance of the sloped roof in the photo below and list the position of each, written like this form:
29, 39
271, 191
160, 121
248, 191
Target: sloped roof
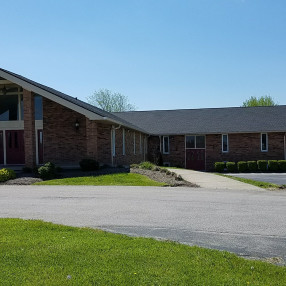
66, 100
209, 120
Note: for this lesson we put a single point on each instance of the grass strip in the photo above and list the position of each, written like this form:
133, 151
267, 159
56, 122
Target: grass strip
39, 253
122, 179
260, 184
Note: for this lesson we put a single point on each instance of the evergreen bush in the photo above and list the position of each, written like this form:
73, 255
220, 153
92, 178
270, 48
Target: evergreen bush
242, 166
252, 166
262, 165
219, 166
273, 166
7, 174
282, 165
231, 167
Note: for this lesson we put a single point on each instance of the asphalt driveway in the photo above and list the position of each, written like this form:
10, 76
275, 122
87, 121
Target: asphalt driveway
275, 178
247, 222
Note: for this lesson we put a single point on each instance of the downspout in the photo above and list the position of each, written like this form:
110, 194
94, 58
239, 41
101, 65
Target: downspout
113, 143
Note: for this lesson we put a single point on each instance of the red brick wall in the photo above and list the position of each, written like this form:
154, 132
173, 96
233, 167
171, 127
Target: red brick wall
243, 147
129, 157
63, 144
176, 158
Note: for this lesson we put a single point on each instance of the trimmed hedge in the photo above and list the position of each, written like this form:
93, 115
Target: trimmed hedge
242, 166
282, 165
262, 165
252, 166
231, 167
7, 174
273, 166
219, 167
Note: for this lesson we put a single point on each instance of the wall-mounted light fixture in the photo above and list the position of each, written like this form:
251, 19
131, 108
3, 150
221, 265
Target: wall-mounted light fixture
76, 125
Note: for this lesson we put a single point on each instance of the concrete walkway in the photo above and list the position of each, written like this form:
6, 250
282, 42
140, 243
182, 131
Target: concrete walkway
212, 181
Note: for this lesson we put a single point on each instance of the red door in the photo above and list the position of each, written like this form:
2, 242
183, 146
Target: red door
1, 148
15, 150
40, 146
195, 159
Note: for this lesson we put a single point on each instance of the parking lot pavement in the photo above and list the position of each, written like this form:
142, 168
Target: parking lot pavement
246, 222
275, 178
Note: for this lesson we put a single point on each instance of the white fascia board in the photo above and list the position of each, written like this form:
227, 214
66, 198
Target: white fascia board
90, 115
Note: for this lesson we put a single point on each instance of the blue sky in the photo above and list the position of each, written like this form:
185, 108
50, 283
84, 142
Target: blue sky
167, 54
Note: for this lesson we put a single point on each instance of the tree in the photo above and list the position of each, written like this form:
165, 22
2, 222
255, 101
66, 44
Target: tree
260, 101
110, 101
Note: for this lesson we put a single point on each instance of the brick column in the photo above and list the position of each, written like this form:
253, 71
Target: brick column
91, 139
29, 129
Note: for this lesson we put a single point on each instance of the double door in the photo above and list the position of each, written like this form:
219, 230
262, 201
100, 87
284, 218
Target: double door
15, 149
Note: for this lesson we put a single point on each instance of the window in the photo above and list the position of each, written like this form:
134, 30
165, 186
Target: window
38, 101
190, 142
264, 142
224, 140
113, 141
195, 142
166, 147
9, 107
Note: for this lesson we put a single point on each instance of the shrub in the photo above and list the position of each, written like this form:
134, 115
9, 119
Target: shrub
134, 166
147, 165
47, 171
89, 165
262, 165
231, 167
242, 166
219, 166
273, 166
252, 166
7, 174
282, 165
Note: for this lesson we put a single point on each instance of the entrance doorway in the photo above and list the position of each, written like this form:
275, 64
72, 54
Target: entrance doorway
195, 152
15, 149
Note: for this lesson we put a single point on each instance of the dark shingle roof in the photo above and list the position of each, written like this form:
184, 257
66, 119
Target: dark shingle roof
75, 101
209, 120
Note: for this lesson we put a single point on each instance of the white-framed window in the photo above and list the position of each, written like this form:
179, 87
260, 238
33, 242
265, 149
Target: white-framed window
113, 141
123, 141
224, 143
166, 145
195, 142
264, 142
134, 142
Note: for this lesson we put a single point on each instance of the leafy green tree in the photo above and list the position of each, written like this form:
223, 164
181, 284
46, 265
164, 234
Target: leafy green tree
260, 101
110, 101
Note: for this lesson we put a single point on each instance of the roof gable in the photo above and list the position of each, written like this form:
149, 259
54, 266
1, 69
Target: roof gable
90, 111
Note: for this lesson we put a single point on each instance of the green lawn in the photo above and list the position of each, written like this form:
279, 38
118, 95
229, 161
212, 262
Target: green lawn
122, 179
253, 182
38, 253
